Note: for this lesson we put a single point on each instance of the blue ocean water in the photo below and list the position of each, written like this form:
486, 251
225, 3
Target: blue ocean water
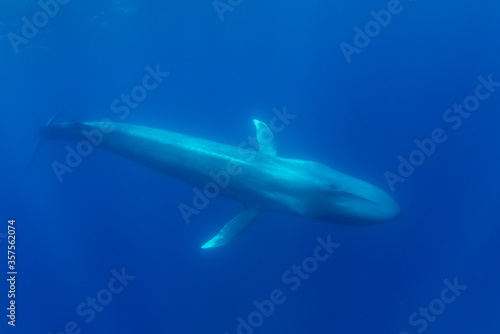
403, 94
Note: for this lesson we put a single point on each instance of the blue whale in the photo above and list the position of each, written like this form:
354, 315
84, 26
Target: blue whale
259, 179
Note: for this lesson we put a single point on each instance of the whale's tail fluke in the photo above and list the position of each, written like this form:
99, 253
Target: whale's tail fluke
39, 141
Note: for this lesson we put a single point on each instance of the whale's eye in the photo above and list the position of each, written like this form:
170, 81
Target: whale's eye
331, 189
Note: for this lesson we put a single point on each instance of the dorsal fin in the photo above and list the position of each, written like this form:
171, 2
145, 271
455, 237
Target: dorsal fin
265, 138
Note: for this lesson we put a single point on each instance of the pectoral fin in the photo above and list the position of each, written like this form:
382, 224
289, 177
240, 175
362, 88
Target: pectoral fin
233, 228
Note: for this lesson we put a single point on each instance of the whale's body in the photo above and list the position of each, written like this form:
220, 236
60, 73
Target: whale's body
259, 179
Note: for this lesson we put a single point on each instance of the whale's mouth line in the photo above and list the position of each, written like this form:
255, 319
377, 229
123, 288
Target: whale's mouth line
350, 196
334, 190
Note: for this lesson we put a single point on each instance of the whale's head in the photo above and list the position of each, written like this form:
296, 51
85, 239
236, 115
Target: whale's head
339, 198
